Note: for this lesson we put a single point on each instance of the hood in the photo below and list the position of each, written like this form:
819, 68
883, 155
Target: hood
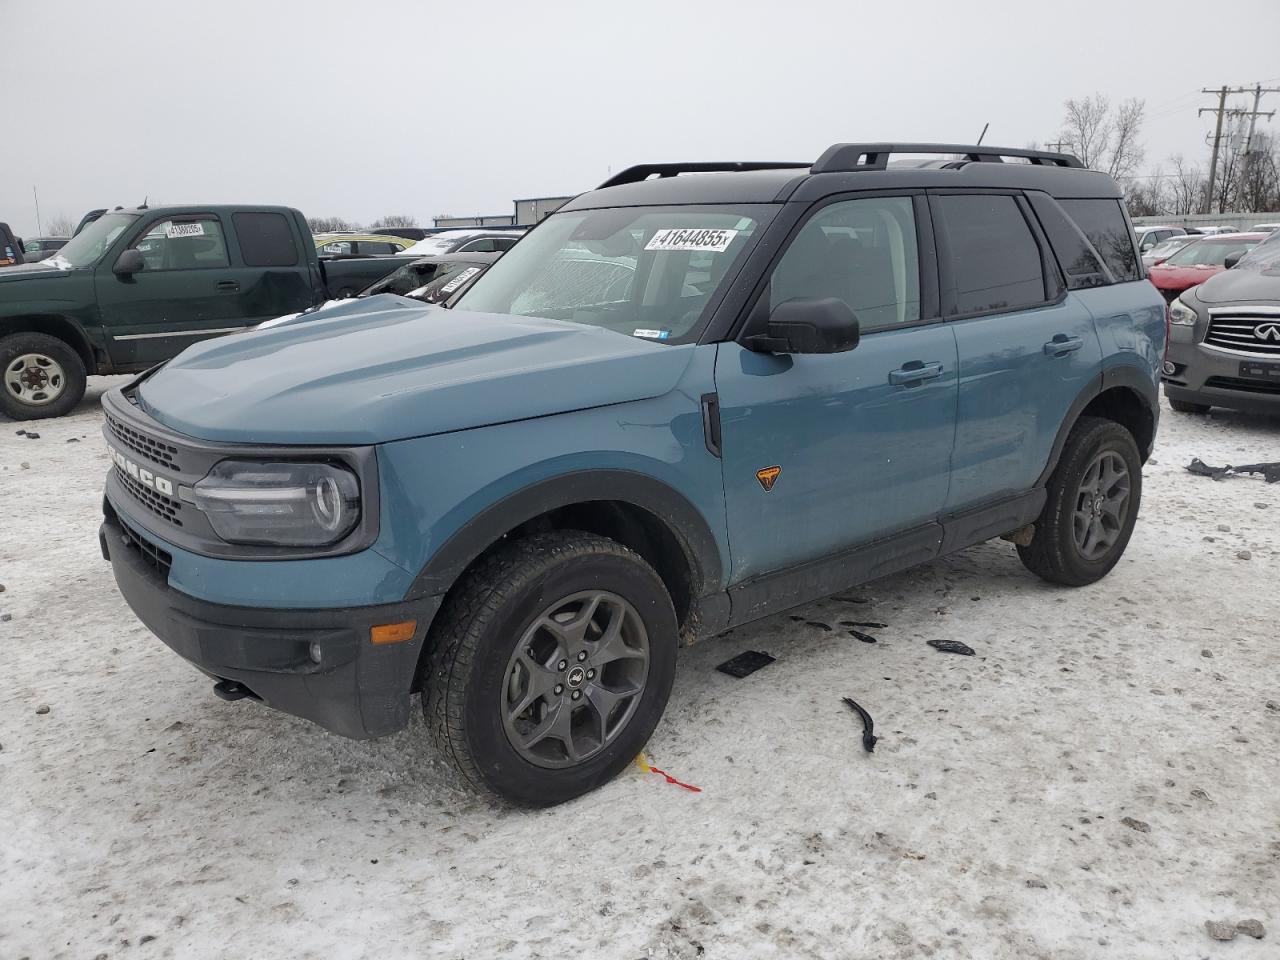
398, 369
1236, 285
25, 271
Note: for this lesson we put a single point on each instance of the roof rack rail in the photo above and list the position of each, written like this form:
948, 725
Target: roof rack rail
848, 157
644, 171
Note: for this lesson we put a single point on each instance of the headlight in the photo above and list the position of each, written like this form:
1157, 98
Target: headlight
1181, 314
280, 504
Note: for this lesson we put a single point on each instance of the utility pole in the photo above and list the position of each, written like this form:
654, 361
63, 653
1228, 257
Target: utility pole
1257, 91
1057, 146
1217, 138
1253, 116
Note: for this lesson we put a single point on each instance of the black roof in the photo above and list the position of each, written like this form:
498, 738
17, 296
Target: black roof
849, 167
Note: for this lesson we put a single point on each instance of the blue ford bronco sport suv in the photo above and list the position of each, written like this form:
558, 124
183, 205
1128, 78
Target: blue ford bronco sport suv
680, 404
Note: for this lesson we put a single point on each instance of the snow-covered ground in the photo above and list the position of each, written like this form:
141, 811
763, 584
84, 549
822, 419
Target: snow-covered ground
142, 817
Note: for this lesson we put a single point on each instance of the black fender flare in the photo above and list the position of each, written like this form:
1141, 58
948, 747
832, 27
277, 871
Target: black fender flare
65, 328
670, 507
1131, 377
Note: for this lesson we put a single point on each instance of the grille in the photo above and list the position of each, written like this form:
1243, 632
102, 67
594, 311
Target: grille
157, 559
162, 506
1235, 332
155, 451
1251, 386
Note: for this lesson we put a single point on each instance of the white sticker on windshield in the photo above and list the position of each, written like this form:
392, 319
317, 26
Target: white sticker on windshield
685, 238
176, 230
651, 334
460, 279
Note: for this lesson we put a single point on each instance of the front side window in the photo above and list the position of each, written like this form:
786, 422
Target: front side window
187, 244
483, 245
646, 272
863, 252
994, 258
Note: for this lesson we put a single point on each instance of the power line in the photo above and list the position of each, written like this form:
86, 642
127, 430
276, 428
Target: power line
1221, 109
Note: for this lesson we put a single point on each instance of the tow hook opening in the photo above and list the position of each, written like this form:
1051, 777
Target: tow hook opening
232, 690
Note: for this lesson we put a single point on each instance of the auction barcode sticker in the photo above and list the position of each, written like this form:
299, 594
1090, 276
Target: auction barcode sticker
691, 238
176, 230
460, 279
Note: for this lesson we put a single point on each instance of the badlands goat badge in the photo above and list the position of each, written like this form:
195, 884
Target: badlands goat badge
768, 477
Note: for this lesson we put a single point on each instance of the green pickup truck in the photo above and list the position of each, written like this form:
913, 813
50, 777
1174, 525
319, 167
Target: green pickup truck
136, 287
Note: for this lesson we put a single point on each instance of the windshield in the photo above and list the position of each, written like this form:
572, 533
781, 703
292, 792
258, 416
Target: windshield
642, 271
87, 247
408, 278
1169, 246
1265, 257
1211, 252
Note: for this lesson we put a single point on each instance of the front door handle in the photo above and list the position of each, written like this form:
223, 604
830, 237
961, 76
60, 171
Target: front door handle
1061, 345
917, 371
232, 285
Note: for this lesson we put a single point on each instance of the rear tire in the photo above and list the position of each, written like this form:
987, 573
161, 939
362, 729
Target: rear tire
522, 686
40, 376
1182, 406
1092, 506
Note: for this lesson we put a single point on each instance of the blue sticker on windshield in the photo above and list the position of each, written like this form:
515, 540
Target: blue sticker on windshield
651, 334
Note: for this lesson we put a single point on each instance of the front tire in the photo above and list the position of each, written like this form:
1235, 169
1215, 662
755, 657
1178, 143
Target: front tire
1092, 506
550, 667
40, 376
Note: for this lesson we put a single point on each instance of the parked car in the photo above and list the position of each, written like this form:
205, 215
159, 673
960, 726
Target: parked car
1149, 236
1165, 249
35, 249
1264, 228
333, 245
10, 247
1224, 343
136, 287
429, 279
478, 240
404, 233
1209, 229
1198, 261
813, 375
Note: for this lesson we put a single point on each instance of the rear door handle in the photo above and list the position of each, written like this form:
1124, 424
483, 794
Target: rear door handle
1061, 345
917, 371
232, 285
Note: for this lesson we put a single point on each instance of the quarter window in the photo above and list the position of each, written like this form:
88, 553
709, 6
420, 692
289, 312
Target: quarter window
189, 244
265, 240
1102, 221
863, 252
993, 255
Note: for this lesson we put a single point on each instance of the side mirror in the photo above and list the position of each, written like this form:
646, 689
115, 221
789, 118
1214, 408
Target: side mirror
129, 263
1232, 259
805, 325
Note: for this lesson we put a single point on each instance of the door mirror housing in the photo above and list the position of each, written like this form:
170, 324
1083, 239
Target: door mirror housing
1232, 259
129, 263
807, 325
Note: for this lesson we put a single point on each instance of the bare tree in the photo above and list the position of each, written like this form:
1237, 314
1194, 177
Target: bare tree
327, 224
395, 220
1147, 196
1187, 186
1104, 139
61, 226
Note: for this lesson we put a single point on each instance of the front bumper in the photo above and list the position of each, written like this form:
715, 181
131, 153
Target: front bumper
356, 689
1214, 377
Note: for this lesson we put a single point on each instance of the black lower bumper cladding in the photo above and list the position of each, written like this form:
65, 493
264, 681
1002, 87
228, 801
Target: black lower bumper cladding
316, 664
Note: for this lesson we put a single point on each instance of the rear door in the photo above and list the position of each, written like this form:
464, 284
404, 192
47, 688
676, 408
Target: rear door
861, 440
271, 275
1026, 347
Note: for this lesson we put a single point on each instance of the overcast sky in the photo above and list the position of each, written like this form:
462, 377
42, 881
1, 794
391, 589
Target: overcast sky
360, 109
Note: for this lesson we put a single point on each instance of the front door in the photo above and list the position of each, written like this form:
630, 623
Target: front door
186, 292
861, 440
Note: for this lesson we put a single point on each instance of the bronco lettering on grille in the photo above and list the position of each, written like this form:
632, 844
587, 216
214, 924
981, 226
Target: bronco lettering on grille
144, 476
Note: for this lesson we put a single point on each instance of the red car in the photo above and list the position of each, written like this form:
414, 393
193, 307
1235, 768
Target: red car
1198, 261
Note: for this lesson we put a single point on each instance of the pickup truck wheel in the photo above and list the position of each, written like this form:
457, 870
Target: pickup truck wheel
1092, 506
550, 667
40, 376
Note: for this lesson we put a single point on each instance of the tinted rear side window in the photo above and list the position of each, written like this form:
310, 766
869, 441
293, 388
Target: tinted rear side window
265, 240
1077, 257
1102, 221
994, 259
